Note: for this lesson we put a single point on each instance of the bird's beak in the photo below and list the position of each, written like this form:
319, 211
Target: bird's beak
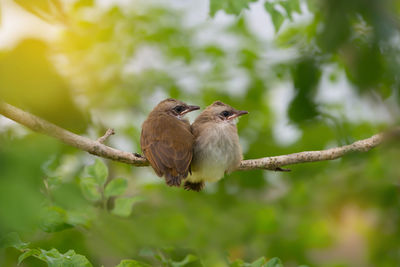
190, 109
238, 114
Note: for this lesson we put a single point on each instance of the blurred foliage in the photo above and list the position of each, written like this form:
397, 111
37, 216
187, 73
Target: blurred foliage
110, 65
230, 7
278, 17
165, 257
49, 10
28, 80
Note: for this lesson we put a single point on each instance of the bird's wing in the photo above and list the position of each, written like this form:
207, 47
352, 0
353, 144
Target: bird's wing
168, 145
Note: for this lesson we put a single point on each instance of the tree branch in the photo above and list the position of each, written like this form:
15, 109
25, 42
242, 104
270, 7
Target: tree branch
99, 149
272, 163
83, 143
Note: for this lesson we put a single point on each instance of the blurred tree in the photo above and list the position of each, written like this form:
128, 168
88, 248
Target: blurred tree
29, 80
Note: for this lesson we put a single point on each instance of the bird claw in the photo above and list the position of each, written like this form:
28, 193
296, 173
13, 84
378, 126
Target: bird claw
194, 186
173, 181
279, 169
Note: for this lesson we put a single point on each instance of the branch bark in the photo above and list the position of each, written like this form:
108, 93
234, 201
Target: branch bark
272, 163
83, 143
96, 147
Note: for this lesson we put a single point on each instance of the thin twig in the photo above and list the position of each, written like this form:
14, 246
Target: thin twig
102, 139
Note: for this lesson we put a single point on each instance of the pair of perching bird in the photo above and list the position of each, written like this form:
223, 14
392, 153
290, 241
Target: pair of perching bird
197, 153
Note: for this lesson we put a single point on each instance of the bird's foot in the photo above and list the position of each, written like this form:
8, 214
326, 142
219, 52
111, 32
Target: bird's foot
173, 181
279, 169
194, 186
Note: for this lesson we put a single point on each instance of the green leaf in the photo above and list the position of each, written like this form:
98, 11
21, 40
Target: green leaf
258, 263
306, 76
229, 6
27, 254
90, 189
98, 171
79, 218
295, 5
75, 260
49, 166
288, 8
116, 187
276, 16
123, 206
54, 220
274, 262
54, 181
188, 259
55, 259
132, 263
237, 263
12, 240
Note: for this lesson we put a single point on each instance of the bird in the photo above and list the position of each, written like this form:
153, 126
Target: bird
167, 141
216, 150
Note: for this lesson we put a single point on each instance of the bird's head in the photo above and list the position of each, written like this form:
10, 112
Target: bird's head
175, 107
221, 112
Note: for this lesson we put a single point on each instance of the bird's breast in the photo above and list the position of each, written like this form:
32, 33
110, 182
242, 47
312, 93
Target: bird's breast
216, 152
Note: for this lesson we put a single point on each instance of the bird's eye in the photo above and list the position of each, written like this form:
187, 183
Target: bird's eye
225, 113
179, 109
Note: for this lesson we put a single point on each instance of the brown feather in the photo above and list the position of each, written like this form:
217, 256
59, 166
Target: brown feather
167, 142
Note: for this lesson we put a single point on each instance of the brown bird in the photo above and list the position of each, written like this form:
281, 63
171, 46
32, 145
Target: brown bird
217, 150
167, 141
